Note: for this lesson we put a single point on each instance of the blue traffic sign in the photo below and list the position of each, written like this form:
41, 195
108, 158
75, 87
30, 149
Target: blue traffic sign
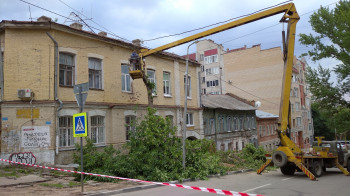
80, 125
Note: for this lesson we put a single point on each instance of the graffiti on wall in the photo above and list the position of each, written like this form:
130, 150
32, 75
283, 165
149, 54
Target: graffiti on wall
23, 157
35, 137
11, 139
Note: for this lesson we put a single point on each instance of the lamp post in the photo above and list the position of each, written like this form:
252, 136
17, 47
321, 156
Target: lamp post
185, 111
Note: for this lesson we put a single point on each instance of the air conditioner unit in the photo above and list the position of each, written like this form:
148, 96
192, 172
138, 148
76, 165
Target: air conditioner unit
24, 93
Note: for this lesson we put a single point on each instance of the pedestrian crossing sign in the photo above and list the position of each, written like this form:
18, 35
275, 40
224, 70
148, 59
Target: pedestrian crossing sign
80, 125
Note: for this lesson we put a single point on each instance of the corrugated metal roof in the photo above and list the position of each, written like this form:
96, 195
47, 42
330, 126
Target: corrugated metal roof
261, 114
225, 102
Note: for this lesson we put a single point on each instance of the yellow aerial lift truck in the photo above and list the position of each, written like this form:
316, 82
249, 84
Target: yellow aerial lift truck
288, 155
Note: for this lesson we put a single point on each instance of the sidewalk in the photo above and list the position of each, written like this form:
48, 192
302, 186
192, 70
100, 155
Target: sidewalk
11, 181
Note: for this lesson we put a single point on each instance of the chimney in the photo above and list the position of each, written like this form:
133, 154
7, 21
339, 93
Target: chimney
136, 42
44, 19
102, 33
77, 26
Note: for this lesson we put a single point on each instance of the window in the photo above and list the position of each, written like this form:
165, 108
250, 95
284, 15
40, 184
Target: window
221, 124
228, 123
126, 79
240, 124
188, 86
95, 73
189, 119
292, 107
129, 125
203, 79
201, 57
171, 119
166, 83
252, 122
297, 106
202, 68
98, 129
298, 121
247, 123
212, 125
152, 79
66, 131
296, 92
213, 83
213, 70
211, 59
66, 77
204, 91
235, 124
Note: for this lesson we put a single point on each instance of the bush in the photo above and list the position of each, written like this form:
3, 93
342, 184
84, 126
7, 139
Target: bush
249, 158
155, 154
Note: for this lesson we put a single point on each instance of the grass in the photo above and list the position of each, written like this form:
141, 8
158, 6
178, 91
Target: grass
60, 185
52, 185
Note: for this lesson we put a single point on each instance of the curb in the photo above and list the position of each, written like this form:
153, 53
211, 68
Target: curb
144, 187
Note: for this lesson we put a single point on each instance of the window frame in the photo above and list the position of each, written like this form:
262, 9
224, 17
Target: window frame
129, 126
97, 75
152, 80
66, 68
124, 78
166, 83
68, 131
189, 119
98, 128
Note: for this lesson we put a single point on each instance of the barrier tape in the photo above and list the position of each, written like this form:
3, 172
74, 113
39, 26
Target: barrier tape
209, 190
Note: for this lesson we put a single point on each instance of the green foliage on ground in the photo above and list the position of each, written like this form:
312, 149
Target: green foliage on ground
155, 154
249, 158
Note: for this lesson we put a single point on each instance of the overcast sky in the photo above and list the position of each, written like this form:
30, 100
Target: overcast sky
148, 19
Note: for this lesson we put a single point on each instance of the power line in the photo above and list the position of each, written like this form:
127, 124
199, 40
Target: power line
68, 18
94, 22
200, 28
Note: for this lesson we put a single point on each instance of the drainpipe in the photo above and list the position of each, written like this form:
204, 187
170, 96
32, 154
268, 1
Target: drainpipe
55, 89
1, 75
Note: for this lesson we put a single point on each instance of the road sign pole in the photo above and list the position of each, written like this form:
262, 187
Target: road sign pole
80, 92
81, 144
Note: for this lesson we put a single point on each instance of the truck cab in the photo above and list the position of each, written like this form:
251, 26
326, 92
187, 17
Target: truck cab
332, 148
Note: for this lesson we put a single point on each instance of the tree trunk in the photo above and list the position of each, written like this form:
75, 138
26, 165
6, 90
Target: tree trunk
149, 90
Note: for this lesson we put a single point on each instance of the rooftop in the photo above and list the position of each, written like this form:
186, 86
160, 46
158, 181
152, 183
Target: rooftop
225, 102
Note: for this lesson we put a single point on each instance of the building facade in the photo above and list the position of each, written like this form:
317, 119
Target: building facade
266, 130
42, 61
229, 121
256, 74
210, 54
300, 99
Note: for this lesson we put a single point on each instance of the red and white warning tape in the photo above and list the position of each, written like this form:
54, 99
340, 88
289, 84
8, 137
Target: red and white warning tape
209, 190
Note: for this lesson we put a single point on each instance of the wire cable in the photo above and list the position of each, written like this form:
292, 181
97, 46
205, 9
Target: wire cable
67, 18
200, 28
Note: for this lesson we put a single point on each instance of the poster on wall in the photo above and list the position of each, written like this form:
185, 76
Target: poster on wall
35, 136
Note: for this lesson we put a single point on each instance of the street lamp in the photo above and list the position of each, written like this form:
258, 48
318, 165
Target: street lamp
185, 111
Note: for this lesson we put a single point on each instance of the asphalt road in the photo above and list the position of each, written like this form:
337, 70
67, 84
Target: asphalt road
271, 184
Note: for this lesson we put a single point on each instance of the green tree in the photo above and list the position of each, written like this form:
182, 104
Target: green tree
332, 40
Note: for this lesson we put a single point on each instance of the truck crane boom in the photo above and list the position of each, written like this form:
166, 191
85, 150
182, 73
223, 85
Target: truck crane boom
290, 16
288, 155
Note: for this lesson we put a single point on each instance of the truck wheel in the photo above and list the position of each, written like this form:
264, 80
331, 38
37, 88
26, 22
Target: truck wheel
317, 169
288, 169
279, 158
348, 166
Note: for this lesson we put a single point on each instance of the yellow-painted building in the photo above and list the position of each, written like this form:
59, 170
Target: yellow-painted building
42, 61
